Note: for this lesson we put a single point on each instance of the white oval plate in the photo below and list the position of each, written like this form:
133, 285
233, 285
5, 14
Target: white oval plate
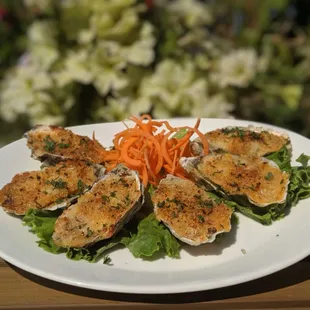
268, 249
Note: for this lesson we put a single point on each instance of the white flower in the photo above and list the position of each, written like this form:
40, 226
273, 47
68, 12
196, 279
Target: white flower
42, 44
140, 105
106, 64
108, 79
236, 69
44, 56
192, 12
42, 32
171, 90
142, 52
116, 109
85, 36
213, 107
174, 90
38, 111
107, 26
26, 91
76, 68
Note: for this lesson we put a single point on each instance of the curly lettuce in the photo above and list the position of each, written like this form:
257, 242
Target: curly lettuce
148, 238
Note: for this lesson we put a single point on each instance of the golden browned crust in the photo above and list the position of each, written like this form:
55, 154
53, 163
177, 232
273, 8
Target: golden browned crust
257, 178
44, 188
45, 141
243, 141
99, 213
190, 212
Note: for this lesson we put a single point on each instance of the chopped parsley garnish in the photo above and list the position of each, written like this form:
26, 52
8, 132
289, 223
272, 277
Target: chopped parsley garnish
63, 145
105, 198
107, 260
227, 131
49, 144
255, 135
269, 176
89, 232
206, 203
161, 204
201, 219
239, 132
127, 199
57, 183
81, 186
252, 188
117, 207
113, 194
124, 182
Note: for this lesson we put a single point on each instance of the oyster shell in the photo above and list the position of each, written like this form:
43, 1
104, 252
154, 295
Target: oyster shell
192, 215
55, 143
249, 140
258, 179
101, 212
51, 188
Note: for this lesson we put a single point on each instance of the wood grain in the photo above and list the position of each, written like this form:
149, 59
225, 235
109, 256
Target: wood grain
2, 263
288, 289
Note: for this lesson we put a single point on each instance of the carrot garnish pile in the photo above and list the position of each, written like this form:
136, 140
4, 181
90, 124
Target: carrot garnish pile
152, 150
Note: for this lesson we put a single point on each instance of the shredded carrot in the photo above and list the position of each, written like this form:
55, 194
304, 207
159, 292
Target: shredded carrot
150, 149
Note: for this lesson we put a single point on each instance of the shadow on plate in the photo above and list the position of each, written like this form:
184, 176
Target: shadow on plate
216, 248
290, 276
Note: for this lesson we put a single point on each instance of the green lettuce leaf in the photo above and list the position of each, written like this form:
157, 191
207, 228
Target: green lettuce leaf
42, 224
151, 237
299, 187
94, 253
303, 159
282, 158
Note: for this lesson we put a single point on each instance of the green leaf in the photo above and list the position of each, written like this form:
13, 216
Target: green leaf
95, 252
299, 182
282, 158
151, 189
151, 237
42, 224
49, 144
303, 159
180, 133
264, 219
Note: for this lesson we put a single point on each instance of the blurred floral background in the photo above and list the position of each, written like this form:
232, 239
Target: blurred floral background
72, 62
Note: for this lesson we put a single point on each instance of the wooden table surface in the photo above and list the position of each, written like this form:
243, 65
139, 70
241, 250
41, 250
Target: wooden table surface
287, 289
